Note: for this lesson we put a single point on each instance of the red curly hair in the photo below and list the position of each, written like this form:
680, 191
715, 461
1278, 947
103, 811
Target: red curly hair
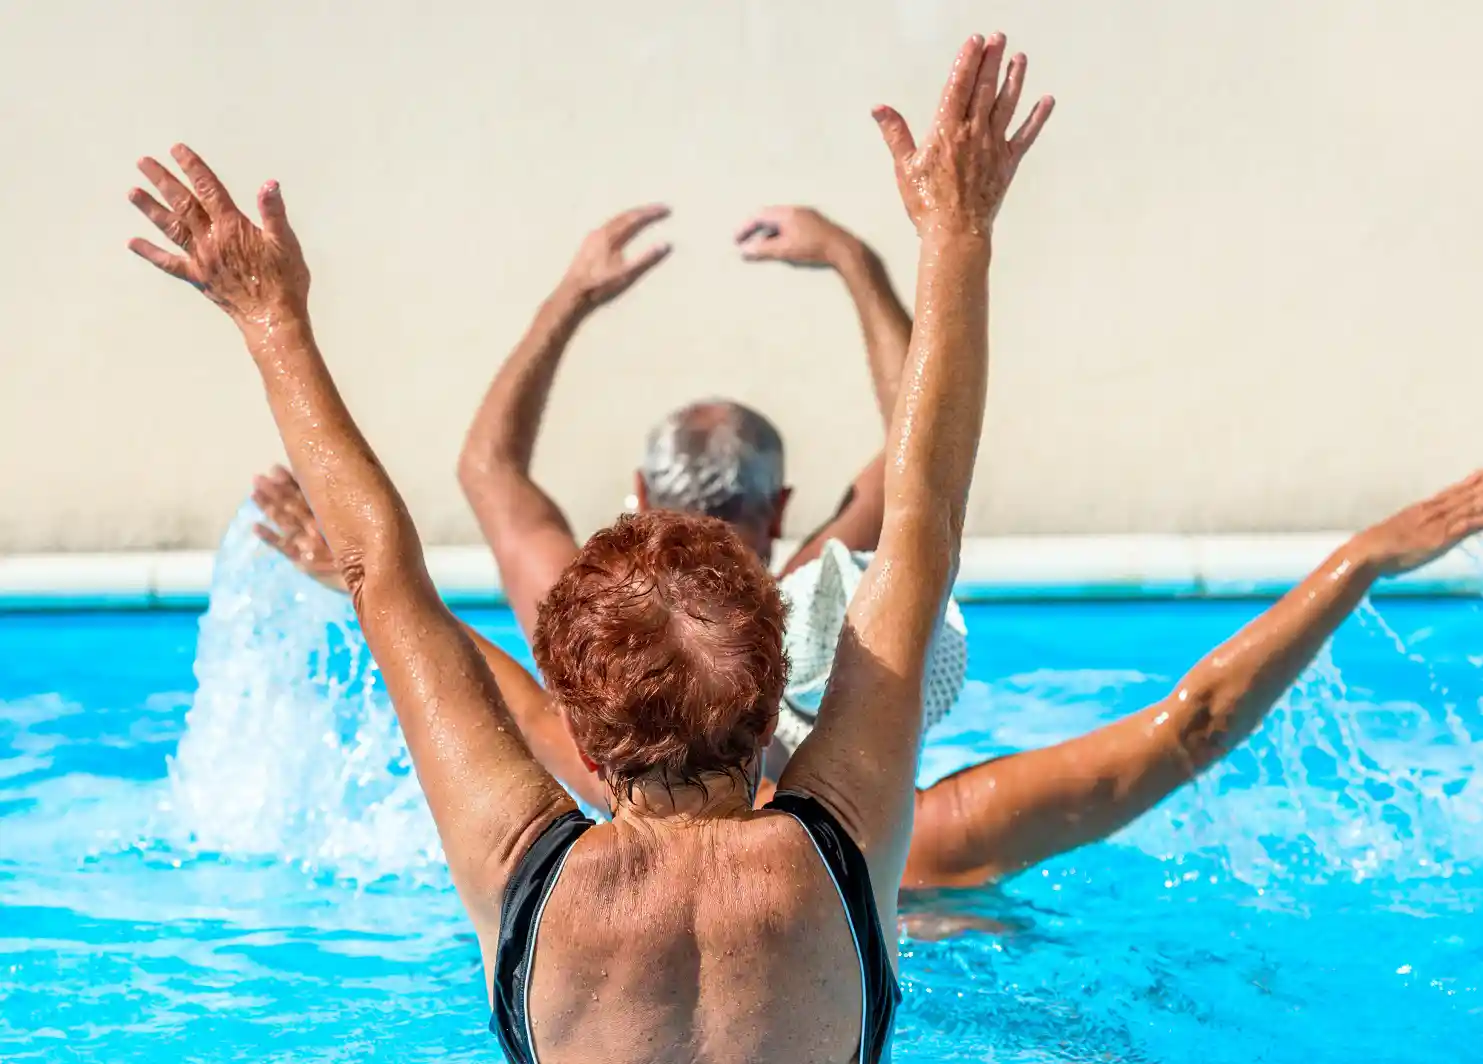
663, 641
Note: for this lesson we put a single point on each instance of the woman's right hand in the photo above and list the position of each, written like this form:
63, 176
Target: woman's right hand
954, 181
257, 275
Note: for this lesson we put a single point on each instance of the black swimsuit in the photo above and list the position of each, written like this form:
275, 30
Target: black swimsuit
530, 887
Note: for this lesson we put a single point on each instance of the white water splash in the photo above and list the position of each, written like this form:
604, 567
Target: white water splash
1333, 786
291, 750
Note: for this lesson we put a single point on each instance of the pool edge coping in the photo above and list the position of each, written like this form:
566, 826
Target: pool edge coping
1001, 568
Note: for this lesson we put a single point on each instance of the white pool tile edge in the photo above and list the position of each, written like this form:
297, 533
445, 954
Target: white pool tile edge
1011, 567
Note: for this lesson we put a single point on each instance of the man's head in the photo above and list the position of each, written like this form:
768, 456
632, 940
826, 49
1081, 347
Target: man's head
662, 643
722, 460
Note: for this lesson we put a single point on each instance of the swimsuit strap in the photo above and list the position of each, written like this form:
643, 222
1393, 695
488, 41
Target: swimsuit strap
880, 990
520, 921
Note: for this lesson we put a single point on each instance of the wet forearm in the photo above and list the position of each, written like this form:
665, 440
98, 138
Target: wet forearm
933, 440
1223, 698
884, 322
504, 431
359, 510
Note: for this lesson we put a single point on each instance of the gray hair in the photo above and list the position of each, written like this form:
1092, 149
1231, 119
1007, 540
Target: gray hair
717, 458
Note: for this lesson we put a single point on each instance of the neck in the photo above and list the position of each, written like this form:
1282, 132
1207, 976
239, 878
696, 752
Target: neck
724, 794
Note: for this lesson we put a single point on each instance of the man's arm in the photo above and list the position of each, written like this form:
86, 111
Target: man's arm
800, 236
996, 819
530, 536
489, 797
293, 531
861, 759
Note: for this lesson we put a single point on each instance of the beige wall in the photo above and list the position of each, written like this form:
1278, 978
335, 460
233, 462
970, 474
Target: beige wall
1236, 285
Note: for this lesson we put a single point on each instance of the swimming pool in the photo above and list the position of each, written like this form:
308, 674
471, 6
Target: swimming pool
234, 864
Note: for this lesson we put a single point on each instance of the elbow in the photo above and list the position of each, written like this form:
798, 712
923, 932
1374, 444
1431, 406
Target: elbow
479, 465
1202, 713
388, 551
473, 469
352, 566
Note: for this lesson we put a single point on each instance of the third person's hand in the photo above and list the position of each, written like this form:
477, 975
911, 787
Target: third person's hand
292, 529
1426, 530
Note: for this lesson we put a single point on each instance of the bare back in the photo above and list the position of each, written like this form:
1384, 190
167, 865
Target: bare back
719, 942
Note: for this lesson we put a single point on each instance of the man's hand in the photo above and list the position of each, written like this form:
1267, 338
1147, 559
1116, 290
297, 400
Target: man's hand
601, 272
955, 181
258, 276
799, 236
292, 530
530, 536
1426, 530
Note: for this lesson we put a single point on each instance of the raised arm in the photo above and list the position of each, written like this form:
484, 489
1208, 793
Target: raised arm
291, 529
1006, 815
489, 797
800, 236
861, 759
530, 536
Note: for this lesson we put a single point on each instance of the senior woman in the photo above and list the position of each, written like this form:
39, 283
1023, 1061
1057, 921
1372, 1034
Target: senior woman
692, 927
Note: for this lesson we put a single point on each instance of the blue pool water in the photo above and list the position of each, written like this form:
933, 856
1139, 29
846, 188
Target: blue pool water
232, 862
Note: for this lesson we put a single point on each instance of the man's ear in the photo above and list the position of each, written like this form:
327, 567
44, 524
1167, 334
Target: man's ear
779, 507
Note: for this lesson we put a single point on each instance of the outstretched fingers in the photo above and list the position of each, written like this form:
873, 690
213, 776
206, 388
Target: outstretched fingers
894, 130
275, 539
763, 223
1465, 522
180, 199
1024, 137
211, 193
172, 225
758, 236
1457, 510
1002, 108
275, 215
645, 261
1472, 484
174, 265
629, 224
986, 89
957, 94
279, 497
